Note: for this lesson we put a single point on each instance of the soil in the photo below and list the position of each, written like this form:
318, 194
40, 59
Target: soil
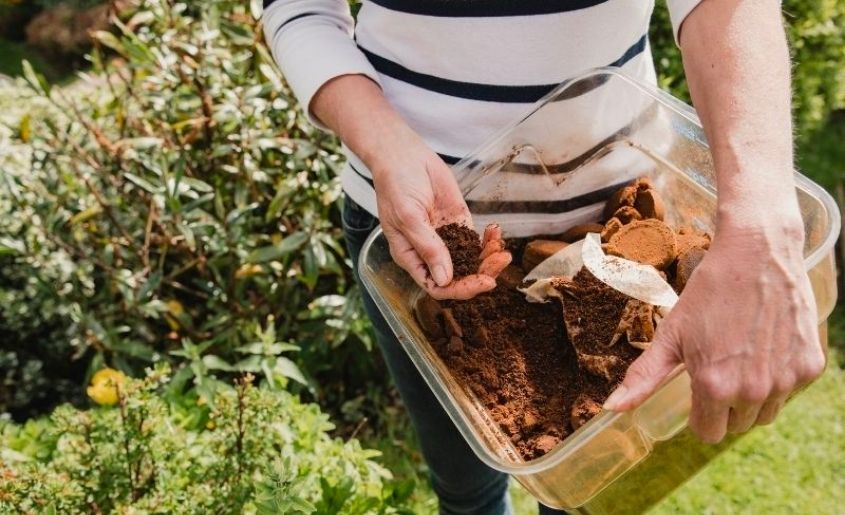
464, 246
543, 370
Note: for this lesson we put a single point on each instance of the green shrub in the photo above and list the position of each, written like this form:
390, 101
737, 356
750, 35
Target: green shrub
173, 206
818, 51
252, 450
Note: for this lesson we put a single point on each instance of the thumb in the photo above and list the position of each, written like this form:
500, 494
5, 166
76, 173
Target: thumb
647, 372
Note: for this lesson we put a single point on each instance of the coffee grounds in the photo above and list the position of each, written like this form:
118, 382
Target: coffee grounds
592, 310
464, 247
646, 241
515, 357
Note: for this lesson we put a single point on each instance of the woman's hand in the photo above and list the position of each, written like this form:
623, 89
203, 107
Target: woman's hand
417, 193
415, 189
746, 329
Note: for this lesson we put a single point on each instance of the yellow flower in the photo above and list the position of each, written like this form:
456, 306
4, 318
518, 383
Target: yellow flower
174, 311
248, 270
104, 386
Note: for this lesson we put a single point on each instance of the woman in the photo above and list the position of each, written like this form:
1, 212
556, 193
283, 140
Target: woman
421, 83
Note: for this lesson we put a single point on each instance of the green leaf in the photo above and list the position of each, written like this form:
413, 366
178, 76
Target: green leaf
198, 185
142, 183
238, 34
250, 364
213, 362
143, 143
310, 269
256, 7
85, 215
262, 349
289, 369
35, 79
269, 72
152, 283
237, 213
274, 252
275, 206
110, 40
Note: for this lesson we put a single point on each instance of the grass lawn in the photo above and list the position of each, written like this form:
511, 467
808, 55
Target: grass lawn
796, 465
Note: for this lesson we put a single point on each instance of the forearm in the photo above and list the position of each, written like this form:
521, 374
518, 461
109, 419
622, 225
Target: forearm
737, 65
355, 109
311, 40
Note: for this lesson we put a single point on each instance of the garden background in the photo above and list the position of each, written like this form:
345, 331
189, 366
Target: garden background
166, 213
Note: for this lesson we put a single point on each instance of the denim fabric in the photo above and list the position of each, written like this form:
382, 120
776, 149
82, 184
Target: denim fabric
462, 482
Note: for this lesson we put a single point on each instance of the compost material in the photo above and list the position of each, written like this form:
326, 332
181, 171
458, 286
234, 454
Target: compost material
542, 370
464, 246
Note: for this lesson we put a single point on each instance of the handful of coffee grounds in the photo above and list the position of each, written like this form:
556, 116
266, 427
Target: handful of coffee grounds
464, 246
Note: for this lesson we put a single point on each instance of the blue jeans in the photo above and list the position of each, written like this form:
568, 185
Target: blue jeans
463, 483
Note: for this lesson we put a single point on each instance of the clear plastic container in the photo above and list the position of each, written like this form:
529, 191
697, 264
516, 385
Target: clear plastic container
591, 133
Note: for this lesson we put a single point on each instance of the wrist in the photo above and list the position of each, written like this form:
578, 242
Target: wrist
759, 200
777, 232
369, 126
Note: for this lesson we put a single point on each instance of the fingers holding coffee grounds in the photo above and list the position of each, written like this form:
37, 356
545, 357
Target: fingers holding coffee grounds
475, 263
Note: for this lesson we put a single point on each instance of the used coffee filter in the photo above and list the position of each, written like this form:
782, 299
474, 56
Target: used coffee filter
642, 282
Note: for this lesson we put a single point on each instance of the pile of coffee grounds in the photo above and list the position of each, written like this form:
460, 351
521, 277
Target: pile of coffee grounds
515, 357
592, 311
464, 247
543, 370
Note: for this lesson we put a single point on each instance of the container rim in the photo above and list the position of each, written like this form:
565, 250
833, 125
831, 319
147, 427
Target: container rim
681, 109
597, 424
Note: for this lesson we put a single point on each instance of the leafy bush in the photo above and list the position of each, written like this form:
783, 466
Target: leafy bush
38, 369
818, 50
175, 207
252, 450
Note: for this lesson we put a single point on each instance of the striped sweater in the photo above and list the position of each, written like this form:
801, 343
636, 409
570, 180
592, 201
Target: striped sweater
457, 70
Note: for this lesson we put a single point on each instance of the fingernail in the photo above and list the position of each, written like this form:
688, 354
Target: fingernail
439, 275
615, 398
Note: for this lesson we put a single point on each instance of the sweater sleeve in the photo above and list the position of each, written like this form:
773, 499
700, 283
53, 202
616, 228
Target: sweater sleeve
678, 12
311, 40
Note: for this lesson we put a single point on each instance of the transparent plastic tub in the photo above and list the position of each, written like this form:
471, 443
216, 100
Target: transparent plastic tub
548, 171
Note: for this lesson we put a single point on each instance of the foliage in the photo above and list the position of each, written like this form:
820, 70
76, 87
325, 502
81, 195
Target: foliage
175, 207
818, 49
252, 450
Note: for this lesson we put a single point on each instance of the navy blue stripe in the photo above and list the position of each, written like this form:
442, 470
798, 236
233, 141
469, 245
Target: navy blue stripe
449, 160
298, 16
557, 168
267, 3
369, 181
505, 207
477, 91
485, 8
531, 206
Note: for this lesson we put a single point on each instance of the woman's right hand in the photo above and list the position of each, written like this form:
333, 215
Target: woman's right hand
416, 191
